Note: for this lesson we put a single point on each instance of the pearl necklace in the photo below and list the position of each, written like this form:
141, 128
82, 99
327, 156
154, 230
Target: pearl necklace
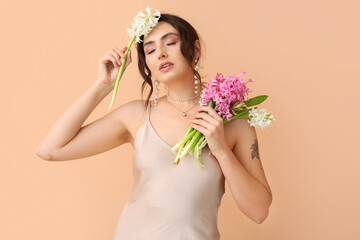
182, 100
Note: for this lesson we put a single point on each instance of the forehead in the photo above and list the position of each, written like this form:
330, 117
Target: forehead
159, 30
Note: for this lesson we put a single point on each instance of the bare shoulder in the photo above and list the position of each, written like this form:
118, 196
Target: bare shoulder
131, 114
132, 107
130, 111
237, 127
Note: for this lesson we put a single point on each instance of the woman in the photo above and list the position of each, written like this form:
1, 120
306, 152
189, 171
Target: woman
168, 201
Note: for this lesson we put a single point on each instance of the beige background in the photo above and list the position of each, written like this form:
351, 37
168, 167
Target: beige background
303, 54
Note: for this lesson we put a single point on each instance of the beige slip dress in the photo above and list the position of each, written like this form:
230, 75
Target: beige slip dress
170, 201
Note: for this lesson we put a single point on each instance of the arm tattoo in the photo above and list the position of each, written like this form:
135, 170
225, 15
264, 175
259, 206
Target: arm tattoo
255, 152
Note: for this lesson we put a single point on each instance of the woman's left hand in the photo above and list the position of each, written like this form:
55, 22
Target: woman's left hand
212, 126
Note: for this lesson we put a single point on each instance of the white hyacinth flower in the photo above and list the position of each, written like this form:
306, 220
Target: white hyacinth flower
260, 118
143, 24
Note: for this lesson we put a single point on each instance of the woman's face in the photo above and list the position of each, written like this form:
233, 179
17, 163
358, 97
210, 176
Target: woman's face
162, 45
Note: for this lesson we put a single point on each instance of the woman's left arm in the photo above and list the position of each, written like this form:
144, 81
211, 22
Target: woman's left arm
241, 166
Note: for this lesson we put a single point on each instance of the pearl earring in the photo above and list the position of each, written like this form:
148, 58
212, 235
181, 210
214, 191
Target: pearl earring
156, 82
196, 79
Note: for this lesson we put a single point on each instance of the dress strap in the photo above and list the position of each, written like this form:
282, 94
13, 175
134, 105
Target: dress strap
148, 112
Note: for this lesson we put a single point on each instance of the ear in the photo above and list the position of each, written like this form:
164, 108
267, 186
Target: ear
197, 49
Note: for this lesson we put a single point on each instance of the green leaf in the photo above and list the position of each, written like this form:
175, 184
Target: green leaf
244, 111
256, 100
211, 103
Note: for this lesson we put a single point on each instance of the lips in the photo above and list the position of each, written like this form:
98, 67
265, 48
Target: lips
165, 64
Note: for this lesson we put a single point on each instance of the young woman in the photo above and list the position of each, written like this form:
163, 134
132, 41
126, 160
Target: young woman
168, 201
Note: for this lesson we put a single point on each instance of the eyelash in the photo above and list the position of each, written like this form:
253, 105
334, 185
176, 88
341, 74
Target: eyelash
166, 44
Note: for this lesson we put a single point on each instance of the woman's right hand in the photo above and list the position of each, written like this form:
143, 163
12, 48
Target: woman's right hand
109, 66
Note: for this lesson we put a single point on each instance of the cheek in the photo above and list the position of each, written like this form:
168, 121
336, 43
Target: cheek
150, 64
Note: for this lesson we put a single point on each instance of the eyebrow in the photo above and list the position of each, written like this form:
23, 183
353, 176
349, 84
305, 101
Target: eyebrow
170, 33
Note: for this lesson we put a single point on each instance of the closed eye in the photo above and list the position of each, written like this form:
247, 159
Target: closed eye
166, 44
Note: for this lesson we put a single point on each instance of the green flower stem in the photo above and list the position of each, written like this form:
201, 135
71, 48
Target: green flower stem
197, 151
196, 155
120, 72
190, 132
241, 114
190, 146
123, 64
181, 144
201, 141
178, 154
187, 148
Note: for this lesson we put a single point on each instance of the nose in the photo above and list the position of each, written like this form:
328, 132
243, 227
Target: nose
161, 53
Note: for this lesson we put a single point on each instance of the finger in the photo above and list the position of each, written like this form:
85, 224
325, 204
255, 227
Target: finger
200, 122
205, 108
206, 117
203, 116
200, 128
116, 56
211, 111
121, 53
113, 60
206, 126
129, 59
104, 59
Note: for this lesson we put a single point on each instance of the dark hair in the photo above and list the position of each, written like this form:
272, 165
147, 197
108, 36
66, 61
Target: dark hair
188, 36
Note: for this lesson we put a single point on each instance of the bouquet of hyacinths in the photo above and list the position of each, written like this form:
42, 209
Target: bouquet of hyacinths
142, 25
228, 96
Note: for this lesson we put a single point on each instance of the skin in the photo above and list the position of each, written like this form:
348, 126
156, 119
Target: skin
234, 144
179, 80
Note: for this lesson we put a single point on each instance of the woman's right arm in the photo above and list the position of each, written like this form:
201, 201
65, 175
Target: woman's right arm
68, 140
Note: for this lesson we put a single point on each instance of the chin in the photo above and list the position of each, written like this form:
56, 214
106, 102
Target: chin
167, 78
